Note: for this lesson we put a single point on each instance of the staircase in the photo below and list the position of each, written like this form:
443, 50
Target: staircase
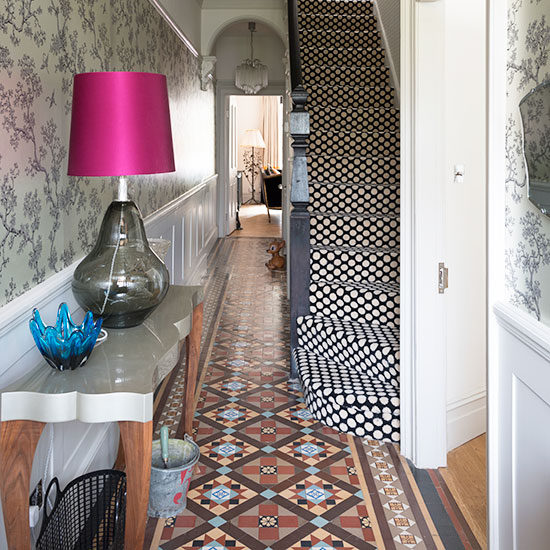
347, 352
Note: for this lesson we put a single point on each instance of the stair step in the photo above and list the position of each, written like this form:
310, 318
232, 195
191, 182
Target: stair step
354, 75
347, 96
363, 302
385, 144
347, 400
354, 199
348, 169
313, 38
354, 265
342, 56
331, 229
373, 349
330, 22
343, 7
350, 119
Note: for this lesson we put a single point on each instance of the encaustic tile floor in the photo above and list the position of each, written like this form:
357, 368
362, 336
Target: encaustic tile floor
270, 476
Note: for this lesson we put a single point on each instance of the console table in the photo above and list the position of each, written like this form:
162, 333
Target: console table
115, 385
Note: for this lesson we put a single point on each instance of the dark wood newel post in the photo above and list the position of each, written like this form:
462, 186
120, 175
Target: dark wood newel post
299, 218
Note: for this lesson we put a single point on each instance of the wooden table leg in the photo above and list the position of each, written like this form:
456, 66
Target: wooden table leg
137, 438
193, 351
18, 440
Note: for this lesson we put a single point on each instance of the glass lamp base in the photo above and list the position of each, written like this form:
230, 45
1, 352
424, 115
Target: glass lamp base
121, 280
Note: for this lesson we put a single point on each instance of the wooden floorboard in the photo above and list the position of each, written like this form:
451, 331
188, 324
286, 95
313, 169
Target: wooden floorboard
466, 477
255, 223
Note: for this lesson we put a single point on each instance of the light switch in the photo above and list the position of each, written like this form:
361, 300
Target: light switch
459, 173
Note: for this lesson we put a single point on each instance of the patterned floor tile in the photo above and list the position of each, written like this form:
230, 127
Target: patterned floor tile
322, 540
220, 494
234, 385
300, 414
267, 399
356, 521
214, 540
178, 525
226, 450
310, 449
268, 522
268, 470
268, 430
315, 494
230, 414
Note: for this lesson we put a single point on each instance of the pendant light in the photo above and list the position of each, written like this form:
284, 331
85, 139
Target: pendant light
251, 74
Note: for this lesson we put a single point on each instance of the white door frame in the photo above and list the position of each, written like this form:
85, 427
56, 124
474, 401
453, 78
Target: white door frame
224, 89
423, 376
497, 23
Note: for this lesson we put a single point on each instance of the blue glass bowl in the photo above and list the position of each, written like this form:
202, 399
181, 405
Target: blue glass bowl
66, 346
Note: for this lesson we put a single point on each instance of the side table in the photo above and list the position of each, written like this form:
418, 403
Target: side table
117, 384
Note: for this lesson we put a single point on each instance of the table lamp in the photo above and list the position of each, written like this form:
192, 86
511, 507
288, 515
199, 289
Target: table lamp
253, 139
120, 126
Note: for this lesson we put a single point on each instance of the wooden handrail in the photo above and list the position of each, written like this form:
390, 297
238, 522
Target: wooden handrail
299, 249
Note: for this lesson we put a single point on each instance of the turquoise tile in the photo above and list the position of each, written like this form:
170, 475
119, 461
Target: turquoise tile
268, 449
217, 521
228, 430
268, 493
319, 521
267, 414
312, 470
223, 470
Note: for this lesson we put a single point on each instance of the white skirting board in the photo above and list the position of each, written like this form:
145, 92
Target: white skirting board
190, 222
466, 419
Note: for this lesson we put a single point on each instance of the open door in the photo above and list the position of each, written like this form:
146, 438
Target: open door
232, 165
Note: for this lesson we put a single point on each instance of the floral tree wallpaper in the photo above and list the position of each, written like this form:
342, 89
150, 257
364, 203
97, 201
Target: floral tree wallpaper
47, 219
527, 230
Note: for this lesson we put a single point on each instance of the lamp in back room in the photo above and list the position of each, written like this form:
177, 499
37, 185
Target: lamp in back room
120, 126
252, 159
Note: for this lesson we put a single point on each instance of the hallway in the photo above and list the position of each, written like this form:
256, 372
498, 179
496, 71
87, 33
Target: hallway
270, 476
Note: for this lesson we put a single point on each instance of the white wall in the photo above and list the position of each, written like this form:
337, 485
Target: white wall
186, 16
230, 51
465, 217
389, 23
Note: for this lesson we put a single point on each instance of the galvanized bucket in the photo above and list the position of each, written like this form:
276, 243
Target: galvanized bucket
168, 491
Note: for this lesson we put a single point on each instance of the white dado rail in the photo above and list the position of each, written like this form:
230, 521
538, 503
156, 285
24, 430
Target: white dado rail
519, 438
190, 222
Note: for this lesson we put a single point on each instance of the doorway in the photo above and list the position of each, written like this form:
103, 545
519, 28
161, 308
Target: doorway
255, 166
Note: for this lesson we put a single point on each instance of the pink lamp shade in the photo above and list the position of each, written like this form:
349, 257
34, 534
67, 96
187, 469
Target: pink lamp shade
120, 125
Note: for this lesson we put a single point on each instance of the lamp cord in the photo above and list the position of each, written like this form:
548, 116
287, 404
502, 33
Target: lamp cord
112, 266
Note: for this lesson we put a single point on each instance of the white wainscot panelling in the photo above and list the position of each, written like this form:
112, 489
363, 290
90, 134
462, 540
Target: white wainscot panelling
76, 447
521, 394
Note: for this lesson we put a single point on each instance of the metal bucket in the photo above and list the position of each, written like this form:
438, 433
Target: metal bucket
168, 491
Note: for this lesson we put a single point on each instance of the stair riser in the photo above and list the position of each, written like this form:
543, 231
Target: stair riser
356, 199
316, 75
331, 23
348, 231
321, 39
381, 170
363, 120
354, 144
372, 349
341, 265
342, 56
351, 97
365, 306
335, 8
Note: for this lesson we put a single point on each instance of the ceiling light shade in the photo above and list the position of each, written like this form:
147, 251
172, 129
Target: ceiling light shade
251, 74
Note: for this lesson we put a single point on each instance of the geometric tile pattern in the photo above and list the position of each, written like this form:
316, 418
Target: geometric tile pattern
275, 478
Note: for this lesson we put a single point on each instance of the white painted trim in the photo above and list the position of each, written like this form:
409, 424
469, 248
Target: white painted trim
175, 27
389, 56
466, 419
497, 24
423, 380
407, 347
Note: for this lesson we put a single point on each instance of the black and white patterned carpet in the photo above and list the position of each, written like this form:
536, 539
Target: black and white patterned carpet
348, 354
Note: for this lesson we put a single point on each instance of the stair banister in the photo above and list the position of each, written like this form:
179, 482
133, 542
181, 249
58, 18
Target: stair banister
299, 252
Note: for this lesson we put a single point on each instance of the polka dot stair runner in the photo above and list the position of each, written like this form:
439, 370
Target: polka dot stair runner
348, 348
271, 476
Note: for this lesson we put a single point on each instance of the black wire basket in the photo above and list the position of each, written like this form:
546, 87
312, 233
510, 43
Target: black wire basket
89, 514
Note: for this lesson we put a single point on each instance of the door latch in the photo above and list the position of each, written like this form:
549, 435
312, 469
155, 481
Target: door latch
443, 278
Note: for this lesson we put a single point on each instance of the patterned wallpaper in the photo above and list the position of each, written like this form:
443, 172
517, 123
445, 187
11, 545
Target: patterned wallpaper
527, 230
48, 220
